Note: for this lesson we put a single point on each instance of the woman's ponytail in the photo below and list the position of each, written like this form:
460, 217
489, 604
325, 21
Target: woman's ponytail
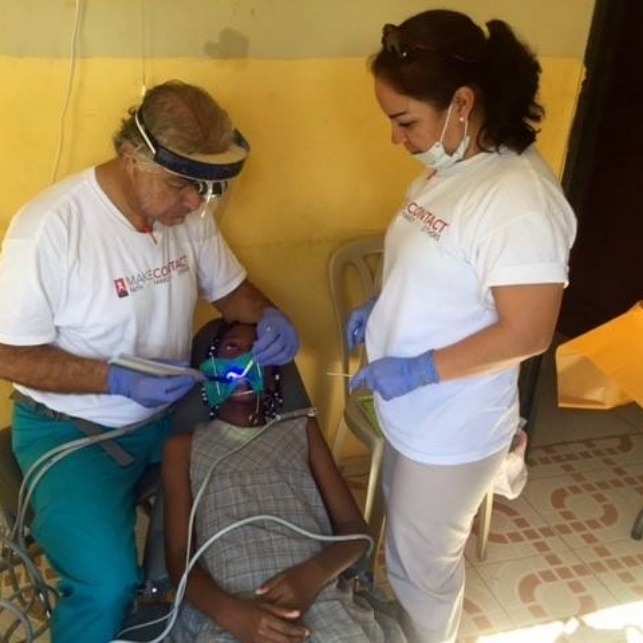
509, 82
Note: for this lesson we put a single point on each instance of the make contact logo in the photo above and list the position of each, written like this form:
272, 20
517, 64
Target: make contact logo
125, 286
121, 287
431, 224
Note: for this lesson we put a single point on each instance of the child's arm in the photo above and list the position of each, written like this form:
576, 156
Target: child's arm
298, 587
248, 621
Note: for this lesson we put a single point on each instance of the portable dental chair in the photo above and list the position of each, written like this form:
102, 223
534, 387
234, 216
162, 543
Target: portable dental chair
189, 412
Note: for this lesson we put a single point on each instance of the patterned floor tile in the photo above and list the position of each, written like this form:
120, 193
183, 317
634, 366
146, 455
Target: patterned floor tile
585, 455
517, 531
554, 587
632, 489
482, 613
585, 508
619, 566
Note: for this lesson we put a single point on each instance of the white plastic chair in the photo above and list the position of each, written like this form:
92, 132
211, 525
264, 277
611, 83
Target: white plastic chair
527, 389
355, 276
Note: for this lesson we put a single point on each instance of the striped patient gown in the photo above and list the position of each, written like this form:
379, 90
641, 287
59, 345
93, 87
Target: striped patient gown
265, 471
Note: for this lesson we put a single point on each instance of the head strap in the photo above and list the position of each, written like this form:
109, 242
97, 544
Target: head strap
202, 167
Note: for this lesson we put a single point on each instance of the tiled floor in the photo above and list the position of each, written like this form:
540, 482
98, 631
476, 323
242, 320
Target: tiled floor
561, 565
562, 552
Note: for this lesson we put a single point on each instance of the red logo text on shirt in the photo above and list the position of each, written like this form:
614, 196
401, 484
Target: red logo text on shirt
431, 224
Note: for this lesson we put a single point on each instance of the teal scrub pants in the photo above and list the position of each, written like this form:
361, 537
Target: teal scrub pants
85, 514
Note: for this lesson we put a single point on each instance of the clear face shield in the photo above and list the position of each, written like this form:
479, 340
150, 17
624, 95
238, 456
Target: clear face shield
210, 174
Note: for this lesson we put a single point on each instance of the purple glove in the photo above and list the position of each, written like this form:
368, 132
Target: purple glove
356, 326
395, 376
148, 390
277, 342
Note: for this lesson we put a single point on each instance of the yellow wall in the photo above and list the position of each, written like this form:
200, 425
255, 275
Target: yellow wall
321, 171
268, 29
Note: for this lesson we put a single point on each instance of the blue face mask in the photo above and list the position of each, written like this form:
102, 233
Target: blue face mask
223, 376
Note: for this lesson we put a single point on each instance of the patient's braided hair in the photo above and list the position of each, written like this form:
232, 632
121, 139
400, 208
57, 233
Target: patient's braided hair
273, 400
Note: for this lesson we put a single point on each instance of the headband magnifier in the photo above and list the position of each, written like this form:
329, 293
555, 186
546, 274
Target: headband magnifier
209, 173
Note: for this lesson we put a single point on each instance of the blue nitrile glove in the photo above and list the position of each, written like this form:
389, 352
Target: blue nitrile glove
395, 376
277, 341
356, 325
148, 390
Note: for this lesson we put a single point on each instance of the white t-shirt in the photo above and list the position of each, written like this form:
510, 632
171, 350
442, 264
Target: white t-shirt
494, 219
74, 273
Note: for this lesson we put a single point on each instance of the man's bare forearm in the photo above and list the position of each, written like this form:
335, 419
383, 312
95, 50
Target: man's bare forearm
244, 304
48, 368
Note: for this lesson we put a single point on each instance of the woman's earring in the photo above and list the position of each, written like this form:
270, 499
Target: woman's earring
461, 119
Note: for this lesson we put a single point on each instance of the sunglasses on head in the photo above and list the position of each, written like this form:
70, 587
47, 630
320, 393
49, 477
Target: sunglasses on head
394, 43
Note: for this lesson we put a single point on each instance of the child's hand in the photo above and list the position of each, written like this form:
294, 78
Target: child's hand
254, 622
295, 588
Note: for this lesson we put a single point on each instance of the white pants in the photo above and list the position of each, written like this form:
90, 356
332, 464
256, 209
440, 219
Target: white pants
429, 512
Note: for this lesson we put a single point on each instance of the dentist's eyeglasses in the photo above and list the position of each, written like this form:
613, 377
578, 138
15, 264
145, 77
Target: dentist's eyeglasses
210, 188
